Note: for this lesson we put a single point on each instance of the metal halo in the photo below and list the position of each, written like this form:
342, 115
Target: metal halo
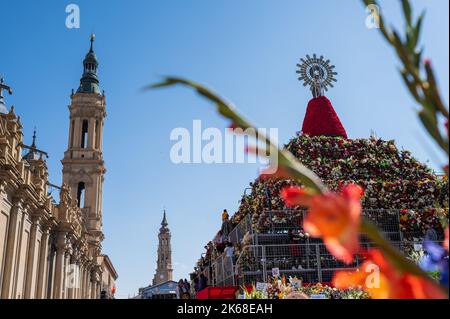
317, 73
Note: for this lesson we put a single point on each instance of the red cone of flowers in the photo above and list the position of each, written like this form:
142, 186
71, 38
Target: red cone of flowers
321, 119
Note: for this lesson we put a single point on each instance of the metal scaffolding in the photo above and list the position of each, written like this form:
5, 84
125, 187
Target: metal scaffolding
269, 247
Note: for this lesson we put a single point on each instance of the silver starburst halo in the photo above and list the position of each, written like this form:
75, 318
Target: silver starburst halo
317, 73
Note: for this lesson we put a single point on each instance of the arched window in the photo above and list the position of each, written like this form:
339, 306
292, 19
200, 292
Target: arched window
84, 134
81, 194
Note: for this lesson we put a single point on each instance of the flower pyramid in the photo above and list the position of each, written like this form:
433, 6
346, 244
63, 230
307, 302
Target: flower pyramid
392, 178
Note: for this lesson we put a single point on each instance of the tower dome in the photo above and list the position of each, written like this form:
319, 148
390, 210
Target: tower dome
32, 154
89, 82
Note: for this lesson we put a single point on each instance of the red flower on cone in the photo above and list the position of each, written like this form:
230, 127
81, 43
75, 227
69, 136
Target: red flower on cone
333, 217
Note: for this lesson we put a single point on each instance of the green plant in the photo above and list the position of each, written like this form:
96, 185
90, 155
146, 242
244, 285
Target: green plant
417, 73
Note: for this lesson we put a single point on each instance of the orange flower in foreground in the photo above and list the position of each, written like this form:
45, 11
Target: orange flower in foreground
382, 281
334, 218
446, 239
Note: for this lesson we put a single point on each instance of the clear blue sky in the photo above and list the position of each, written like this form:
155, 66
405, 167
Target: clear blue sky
247, 51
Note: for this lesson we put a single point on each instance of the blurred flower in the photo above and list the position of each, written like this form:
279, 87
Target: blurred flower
333, 217
446, 239
296, 196
436, 259
383, 281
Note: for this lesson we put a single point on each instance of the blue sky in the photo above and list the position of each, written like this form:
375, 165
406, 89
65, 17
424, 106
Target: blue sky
247, 51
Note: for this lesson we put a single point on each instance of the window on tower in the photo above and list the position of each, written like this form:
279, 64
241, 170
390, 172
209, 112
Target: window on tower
84, 134
81, 194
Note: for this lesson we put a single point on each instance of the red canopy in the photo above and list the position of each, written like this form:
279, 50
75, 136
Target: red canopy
217, 293
321, 119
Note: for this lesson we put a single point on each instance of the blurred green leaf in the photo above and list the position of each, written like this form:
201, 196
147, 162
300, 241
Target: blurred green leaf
411, 85
407, 11
284, 158
429, 120
418, 29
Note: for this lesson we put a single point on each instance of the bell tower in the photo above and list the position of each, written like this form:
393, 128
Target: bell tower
164, 264
83, 165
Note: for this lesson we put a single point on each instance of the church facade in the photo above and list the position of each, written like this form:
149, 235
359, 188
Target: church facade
52, 249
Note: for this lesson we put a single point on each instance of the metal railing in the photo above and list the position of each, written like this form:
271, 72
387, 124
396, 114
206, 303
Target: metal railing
279, 222
240, 230
223, 271
310, 262
271, 246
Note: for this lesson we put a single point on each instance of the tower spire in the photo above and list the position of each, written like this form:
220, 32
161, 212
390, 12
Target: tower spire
33, 152
89, 82
92, 42
164, 221
33, 144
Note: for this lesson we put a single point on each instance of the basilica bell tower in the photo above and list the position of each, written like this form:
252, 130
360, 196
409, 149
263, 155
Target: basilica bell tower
83, 165
164, 263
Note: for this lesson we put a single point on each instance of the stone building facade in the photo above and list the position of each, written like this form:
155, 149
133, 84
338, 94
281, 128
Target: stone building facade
108, 280
164, 270
50, 249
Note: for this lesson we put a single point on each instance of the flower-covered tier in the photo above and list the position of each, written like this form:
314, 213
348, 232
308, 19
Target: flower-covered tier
392, 179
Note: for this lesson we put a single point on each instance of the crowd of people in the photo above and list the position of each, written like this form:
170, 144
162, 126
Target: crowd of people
186, 291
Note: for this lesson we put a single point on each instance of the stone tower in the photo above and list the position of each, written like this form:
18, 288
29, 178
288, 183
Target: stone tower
164, 264
83, 166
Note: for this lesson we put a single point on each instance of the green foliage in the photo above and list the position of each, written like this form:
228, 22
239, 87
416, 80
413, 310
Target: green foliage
417, 74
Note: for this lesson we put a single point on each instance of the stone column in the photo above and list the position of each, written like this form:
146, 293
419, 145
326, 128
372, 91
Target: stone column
75, 280
50, 283
77, 133
11, 249
100, 133
31, 271
91, 136
66, 284
94, 290
59, 265
79, 290
42, 268
88, 287
86, 283
80, 282
71, 129
97, 134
